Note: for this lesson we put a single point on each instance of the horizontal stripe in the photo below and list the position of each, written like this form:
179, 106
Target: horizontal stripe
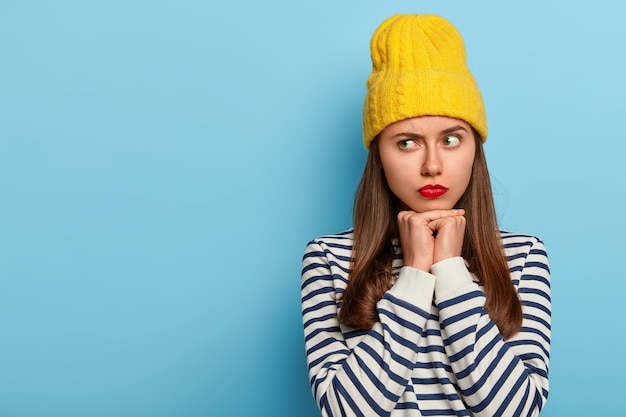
434, 363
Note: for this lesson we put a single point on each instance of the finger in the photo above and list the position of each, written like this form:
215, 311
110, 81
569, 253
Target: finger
449, 220
429, 216
404, 214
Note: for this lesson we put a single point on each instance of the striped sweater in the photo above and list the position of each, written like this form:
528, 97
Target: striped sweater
434, 350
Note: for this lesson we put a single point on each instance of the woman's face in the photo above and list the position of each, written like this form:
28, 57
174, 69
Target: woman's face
427, 161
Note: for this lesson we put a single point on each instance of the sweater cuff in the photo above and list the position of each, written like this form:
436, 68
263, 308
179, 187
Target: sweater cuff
415, 286
451, 274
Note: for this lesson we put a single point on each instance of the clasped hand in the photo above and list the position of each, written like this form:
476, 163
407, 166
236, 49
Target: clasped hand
431, 236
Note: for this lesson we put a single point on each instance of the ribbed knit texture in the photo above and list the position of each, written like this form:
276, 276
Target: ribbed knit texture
427, 359
419, 68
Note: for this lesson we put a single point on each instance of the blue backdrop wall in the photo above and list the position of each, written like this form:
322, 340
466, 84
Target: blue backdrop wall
164, 163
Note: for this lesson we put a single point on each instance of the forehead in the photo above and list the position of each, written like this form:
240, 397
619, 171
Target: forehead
425, 125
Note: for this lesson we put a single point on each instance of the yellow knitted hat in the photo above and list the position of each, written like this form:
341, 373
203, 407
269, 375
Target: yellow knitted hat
419, 69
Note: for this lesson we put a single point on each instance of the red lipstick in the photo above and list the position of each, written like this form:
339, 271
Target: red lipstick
432, 191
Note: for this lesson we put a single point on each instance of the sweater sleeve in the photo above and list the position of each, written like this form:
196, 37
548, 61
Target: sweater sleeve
369, 378
497, 377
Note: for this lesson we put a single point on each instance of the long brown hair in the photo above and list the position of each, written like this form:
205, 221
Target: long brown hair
375, 227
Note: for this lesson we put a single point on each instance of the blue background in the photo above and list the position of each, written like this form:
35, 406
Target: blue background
164, 163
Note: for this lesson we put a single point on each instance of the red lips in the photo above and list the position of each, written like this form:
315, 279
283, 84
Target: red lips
432, 191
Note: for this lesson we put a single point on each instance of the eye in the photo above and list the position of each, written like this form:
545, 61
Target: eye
407, 144
451, 141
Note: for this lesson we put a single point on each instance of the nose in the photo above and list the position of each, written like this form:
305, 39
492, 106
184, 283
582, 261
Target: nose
432, 164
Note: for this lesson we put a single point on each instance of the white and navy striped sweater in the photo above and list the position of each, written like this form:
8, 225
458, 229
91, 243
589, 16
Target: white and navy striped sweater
435, 351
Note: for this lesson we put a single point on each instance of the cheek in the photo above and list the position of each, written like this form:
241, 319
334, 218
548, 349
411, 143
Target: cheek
396, 171
465, 162
465, 174
468, 170
460, 170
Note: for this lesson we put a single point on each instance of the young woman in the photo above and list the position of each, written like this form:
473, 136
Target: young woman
425, 308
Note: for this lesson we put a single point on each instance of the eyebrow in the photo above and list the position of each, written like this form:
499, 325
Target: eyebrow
443, 132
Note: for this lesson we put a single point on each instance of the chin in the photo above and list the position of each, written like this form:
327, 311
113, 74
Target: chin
431, 205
